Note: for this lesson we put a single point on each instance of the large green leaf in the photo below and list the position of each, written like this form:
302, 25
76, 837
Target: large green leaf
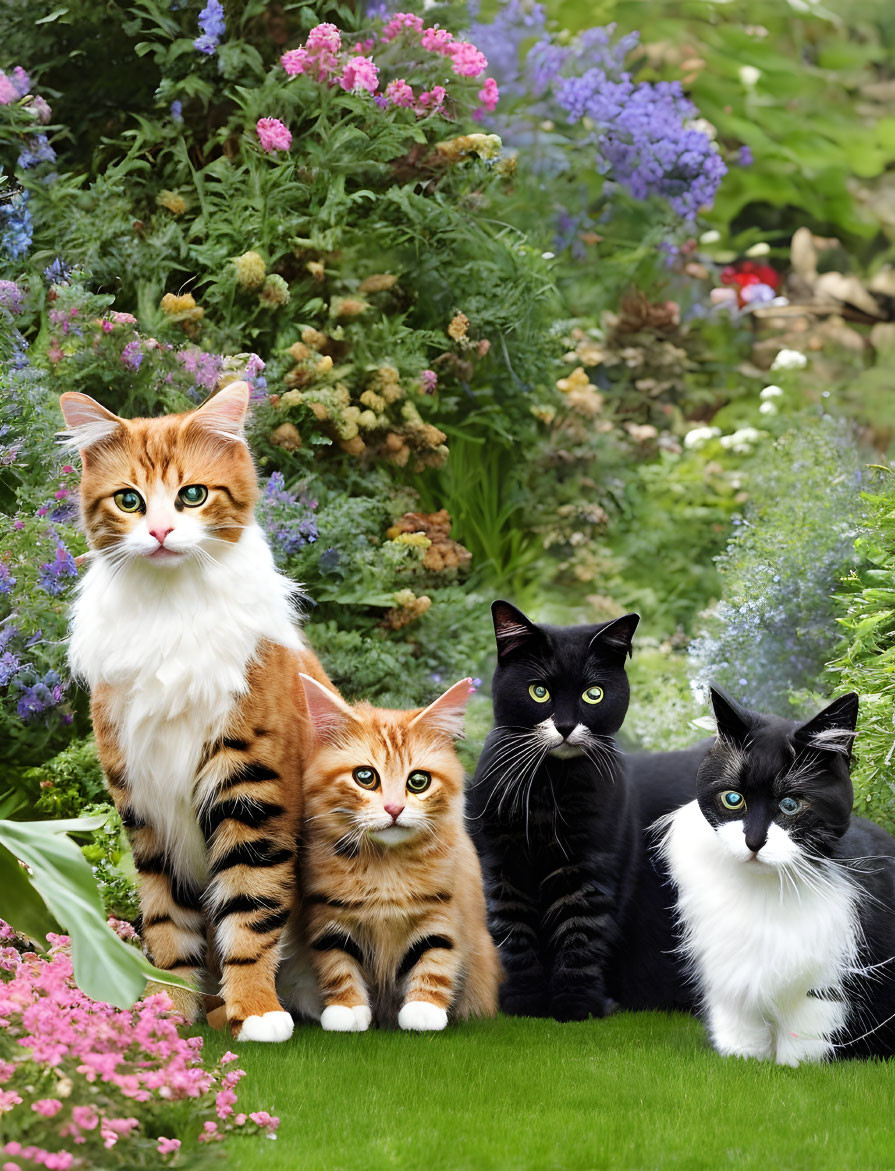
106, 968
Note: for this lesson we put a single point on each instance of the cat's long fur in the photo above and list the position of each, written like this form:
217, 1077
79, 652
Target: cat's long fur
193, 669
787, 918
391, 922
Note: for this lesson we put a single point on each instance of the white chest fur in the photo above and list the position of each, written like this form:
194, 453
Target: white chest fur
759, 939
174, 646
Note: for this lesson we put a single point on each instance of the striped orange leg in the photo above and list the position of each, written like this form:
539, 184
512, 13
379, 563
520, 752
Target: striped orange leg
251, 855
432, 970
173, 920
338, 966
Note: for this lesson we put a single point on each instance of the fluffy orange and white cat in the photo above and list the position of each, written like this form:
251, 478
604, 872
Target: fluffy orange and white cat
186, 635
391, 923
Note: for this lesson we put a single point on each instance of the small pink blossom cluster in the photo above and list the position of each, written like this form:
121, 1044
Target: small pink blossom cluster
273, 134
74, 1069
14, 85
322, 58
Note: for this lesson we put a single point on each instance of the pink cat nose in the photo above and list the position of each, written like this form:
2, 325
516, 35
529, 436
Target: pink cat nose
394, 811
161, 533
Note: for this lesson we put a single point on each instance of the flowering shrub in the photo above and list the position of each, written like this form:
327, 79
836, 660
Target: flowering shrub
83, 1084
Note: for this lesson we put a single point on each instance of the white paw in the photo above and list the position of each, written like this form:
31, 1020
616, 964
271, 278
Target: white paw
339, 1018
271, 1026
362, 1017
422, 1017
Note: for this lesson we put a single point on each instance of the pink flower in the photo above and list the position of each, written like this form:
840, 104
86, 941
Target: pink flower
359, 73
167, 1146
107, 327
399, 22
228, 1056
8, 92
467, 60
489, 94
224, 1103
294, 61
324, 38
263, 1119
85, 1117
432, 100
8, 1099
47, 1106
273, 134
428, 381
436, 40
11, 1167
399, 93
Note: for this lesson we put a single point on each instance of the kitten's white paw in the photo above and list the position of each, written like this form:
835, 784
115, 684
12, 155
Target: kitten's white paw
271, 1026
422, 1017
339, 1018
362, 1017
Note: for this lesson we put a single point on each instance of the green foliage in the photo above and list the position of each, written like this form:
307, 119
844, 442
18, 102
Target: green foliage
55, 889
866, 662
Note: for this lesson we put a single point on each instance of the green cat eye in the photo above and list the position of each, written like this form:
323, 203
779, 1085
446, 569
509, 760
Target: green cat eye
366, 777
193, 495
593, 695
539, 693
418, 781
734, 801
128, 500
790, 805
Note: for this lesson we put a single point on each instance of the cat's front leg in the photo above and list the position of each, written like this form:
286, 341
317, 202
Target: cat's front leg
172, 917
431, 968
736, 1031
513, 918
579, 925
338, 965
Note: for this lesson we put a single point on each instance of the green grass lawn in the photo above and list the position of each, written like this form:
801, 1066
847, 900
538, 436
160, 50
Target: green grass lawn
635, 1091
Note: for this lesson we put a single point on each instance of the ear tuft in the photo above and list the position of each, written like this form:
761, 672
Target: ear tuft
511, 629
445, 714
618, 635
833, 729
328, 711
87, 421
224, 414
734, 721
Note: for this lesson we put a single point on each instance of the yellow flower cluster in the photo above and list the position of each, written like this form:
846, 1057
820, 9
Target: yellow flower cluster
408, 607
250, 270
378, 282
486, 146
347, 307
458, 327
172, 201
183, 310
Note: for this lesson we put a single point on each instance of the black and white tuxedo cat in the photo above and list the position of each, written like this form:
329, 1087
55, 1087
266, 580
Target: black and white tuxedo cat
786, 901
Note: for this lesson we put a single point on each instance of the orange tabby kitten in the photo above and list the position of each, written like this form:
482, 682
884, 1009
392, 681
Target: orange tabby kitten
392, 914
185, 632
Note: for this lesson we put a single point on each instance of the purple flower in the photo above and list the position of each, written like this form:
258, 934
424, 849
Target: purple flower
38, 151
204, 367
58, 272
10, 297
254, 376
177, 111
9, 665
132, 355
745, 158
53, 573
284, 517
16, 226
213, 26
7, 581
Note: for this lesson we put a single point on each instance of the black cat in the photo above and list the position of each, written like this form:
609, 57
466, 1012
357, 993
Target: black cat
552, 813
787, 901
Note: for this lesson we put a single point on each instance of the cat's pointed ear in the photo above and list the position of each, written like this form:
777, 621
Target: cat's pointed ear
512, 629
734, 721
225, 413
617, 636
329, 712
445, 714
87, 422
833, 729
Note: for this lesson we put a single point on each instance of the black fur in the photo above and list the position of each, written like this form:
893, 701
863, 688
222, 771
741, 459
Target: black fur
557, 837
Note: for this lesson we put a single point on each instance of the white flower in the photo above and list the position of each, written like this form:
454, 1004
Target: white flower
759, 249
710, 237
749, 75
700, 436
704, 126
771, 392
741, 441
768, 408
547, 255
789, 360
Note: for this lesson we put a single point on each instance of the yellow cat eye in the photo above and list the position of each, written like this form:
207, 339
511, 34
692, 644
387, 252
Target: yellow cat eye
733, 801
539, 693
128, 500
418, 781
193, 495
366, 777
592, 695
